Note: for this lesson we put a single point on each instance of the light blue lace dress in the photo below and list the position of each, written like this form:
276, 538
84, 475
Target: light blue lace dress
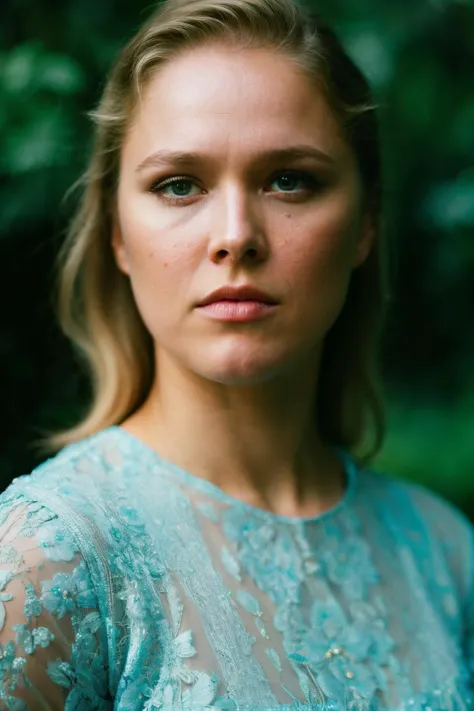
127, 583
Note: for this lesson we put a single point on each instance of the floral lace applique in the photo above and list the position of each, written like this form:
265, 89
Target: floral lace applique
354, 611
70, 595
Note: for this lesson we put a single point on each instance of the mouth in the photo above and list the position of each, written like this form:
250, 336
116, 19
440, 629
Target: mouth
239, 301
235, 294
237, 310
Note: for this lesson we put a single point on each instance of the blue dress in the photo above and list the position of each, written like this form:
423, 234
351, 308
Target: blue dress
127, 583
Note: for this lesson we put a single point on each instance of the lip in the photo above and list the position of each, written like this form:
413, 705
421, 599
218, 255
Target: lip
237, 311
245, 292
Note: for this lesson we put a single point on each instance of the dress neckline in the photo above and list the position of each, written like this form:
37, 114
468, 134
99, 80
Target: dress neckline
350, 467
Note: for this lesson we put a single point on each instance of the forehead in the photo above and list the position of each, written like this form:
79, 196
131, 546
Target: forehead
237, 100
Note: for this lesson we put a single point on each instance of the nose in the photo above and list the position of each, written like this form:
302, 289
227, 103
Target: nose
237, 231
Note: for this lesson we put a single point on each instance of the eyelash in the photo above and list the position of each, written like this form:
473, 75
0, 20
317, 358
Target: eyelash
159, 186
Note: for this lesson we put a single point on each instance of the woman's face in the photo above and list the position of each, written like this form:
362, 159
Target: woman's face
292, 227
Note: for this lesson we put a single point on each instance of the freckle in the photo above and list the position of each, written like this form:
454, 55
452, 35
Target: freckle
287, 214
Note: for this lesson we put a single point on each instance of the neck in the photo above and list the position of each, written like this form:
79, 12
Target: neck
259, 442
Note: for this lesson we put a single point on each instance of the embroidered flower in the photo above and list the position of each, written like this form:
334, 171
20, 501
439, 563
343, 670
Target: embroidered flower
347, 649
86, 674
289, 618
183, 649
30, 639
86, 641
202, 693
351, 568
61, 673
32, 606
267, 553
55, 542
64, 592
132, 519
58, 594
7, 657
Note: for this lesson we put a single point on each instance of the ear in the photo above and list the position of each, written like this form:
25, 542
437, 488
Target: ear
118, 245
365, 241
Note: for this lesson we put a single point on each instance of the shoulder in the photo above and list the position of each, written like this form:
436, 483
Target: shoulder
71, 505
424, 519
90, 462
396, 494
78, 485
55, 594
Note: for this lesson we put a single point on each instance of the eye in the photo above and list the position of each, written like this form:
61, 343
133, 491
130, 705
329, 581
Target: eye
180, 181
311, 183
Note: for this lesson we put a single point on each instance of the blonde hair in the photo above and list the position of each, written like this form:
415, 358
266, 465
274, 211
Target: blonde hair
96, 308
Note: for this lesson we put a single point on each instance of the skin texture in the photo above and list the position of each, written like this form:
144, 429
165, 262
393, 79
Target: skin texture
233, 402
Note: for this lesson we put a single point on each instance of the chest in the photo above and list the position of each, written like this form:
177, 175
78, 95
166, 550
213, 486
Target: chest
248, 615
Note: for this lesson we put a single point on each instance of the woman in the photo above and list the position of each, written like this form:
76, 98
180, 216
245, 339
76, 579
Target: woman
207, 535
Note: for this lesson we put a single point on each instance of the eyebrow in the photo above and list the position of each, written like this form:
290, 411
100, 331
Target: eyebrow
180, 158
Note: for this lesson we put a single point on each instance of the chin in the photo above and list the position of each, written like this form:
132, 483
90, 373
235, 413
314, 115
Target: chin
250, 371
240, 379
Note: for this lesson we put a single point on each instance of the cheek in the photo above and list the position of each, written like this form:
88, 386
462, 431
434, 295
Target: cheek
317, 283
160, 267
320, 252
316, 266
156, 251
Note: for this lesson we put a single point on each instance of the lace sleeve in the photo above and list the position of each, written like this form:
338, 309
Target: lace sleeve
51, 631
469, 612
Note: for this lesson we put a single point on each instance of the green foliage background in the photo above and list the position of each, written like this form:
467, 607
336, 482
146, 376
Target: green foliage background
419, 56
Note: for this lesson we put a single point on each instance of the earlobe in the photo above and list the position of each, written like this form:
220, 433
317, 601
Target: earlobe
364, 245
118, 247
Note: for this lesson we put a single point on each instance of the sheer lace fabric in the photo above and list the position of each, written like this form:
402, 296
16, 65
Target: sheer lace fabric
127, 583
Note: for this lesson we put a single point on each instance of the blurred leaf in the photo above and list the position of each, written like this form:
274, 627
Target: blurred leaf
28, 199
432, 444
451, 205
30, 68
463, 130
61, 74
39, 143
371, 51
19, 67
